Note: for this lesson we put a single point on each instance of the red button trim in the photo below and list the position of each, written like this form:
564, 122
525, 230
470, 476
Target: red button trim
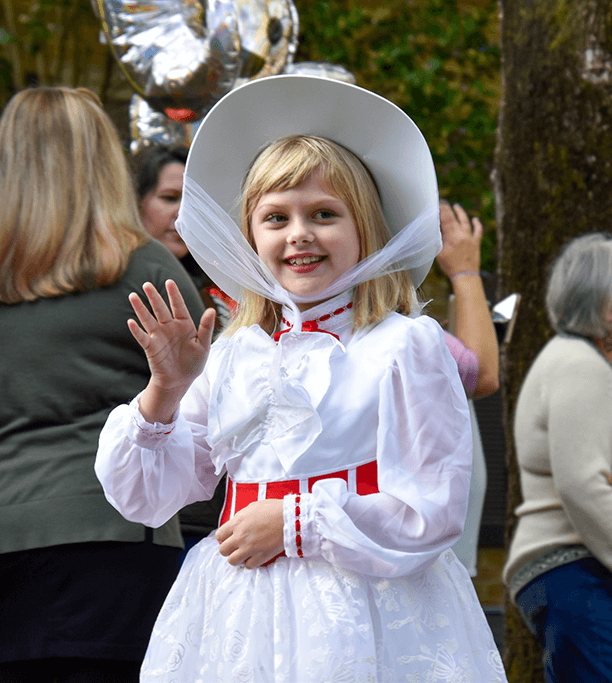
312, 325
298, 536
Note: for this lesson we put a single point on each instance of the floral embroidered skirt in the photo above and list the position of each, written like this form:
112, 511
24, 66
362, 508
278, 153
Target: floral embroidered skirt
303, 621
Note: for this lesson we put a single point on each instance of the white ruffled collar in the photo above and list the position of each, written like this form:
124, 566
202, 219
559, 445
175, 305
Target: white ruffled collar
334, 315
266, 394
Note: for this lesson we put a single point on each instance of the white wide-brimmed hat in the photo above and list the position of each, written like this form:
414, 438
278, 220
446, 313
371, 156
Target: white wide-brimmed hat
383, 136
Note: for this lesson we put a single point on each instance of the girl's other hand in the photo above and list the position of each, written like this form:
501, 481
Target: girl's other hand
175, 349
254, 535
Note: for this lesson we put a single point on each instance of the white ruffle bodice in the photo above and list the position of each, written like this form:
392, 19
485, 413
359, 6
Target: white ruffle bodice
311, 405
375, 595
269, 408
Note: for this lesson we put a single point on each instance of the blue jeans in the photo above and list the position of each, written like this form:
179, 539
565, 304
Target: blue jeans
569, 610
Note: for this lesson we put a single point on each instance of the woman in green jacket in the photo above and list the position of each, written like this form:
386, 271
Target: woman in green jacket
81, 586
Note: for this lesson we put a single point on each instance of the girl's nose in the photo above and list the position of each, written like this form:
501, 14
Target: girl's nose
299, 231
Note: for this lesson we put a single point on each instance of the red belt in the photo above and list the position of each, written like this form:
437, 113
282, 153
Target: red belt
362, 480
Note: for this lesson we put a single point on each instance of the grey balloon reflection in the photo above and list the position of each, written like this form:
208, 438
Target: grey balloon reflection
150, 127
269, 32
182, 56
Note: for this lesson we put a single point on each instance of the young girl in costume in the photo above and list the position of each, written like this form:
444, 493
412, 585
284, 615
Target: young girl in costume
334, 407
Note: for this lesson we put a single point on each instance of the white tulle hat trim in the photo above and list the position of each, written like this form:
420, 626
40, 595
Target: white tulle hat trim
247, 119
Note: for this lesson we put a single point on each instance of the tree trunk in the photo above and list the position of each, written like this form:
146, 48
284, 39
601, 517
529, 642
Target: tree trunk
553, 181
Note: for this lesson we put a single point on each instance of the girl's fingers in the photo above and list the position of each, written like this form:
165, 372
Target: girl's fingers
142, 312
237, 558
177, 303
229, 546
138, 333
161, 311
223, 532
234, 553
207, 325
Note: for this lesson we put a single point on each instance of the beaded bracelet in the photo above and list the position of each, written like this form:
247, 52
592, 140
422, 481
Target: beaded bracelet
464, 272
298, 527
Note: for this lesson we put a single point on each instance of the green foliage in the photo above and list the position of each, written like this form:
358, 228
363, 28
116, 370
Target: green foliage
5, 64
48, 42
41, 23
437, 60
38, 25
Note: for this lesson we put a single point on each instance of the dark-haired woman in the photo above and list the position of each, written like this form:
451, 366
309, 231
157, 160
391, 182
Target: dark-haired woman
158, 176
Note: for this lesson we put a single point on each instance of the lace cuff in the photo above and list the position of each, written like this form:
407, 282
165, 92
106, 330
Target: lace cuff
300, 534
143, 433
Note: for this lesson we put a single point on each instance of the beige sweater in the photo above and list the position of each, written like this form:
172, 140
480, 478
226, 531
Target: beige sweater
563, 435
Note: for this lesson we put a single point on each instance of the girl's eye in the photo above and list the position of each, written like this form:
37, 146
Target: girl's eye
325, 214
171, 199
275, 218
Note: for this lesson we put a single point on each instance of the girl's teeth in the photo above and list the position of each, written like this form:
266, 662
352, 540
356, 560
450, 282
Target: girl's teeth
304, 261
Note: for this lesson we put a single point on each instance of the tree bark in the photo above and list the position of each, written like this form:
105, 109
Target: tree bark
553, 181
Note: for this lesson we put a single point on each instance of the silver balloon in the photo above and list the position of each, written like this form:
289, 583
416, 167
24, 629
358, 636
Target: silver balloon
269, 32
322, 69
150, 127
180, 55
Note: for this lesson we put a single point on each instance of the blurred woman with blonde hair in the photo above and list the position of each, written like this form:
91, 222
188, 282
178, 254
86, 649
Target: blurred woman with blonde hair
81, 585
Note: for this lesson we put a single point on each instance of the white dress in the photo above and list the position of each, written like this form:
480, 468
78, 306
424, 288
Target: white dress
378, 595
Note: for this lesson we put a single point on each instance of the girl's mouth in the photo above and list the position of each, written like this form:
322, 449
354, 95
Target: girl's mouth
304, 260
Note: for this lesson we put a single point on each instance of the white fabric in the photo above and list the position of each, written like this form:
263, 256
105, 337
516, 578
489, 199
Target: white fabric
466, 548
308, 621
379, 595
222, 251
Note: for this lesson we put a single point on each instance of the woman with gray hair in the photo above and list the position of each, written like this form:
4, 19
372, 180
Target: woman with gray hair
559, 568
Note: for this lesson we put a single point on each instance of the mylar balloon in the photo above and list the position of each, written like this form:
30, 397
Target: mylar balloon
180, 55
150, 127
268, 37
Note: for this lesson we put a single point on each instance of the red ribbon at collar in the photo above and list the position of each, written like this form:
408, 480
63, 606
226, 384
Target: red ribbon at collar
307, 326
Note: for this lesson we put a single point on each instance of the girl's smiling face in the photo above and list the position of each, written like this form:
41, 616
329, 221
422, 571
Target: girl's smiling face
306, 236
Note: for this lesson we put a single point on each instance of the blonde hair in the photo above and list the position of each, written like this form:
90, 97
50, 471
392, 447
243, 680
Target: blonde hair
69, 219
287, 163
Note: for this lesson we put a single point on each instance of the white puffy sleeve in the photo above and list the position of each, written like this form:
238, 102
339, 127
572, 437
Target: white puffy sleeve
424, 451
150, 471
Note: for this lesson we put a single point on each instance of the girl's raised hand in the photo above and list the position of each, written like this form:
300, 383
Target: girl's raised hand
175, 349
